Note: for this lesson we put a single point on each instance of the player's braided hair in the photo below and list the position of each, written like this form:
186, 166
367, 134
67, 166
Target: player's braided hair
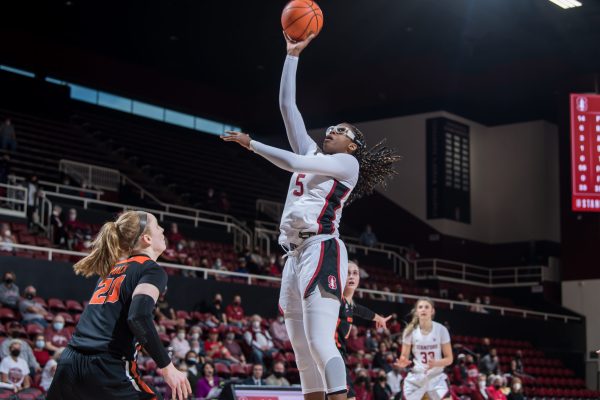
414, 322
376, 165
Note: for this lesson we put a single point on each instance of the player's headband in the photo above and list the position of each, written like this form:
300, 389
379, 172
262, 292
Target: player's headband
143, 222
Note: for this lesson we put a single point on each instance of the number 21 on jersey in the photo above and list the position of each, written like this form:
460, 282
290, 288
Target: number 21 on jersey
108, 290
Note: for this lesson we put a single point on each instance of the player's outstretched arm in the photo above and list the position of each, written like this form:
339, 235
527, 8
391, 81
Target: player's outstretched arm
342, 167
298, 137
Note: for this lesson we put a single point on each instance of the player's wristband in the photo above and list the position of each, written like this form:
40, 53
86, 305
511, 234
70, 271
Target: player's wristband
140, 320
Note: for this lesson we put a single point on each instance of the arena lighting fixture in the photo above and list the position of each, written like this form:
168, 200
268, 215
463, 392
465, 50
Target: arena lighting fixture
567, 3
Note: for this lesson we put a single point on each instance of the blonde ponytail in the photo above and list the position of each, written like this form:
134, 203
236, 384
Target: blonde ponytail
114, 241
414, 322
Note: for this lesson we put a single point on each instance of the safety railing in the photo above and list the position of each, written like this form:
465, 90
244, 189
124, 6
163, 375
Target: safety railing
13, 200
93, 175
252, 278
475, 275
265, 232
241, 236
59, 188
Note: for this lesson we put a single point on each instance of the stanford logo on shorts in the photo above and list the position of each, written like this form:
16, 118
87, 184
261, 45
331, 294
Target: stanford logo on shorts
332, 282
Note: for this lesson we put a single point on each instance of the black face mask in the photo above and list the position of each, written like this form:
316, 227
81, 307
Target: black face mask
8, 281
218, 302
496, 387
29, 296
278, 374
191, 362
14, 334
382, 379
15, 353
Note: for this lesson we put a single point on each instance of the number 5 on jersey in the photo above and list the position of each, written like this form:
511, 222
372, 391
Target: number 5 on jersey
108, 290
300, 185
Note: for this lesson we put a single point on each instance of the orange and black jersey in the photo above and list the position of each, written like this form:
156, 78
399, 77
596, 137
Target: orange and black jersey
345, 320
103, 326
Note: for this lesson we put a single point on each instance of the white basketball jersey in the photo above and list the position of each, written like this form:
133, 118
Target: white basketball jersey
314, 204
427, 347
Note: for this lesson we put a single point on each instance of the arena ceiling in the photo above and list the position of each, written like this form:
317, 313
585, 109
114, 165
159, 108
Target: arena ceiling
495, 61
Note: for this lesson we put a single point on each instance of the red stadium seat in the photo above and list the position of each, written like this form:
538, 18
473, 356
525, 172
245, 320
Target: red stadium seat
33, 330
74, 306
237, 370
222, 369
6, 314
56, 305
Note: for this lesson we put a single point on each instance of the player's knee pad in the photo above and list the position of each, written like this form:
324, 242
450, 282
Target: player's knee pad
335, 375
310, 377
330, 363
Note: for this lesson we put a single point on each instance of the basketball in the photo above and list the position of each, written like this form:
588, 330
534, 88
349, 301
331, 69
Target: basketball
300, 18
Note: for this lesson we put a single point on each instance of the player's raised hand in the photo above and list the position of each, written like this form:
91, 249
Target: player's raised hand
177, 381
241, 138
402, 362
294, 48
381, 322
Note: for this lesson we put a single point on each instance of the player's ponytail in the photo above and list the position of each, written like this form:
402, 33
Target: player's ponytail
114, 241
376, 166
414, 322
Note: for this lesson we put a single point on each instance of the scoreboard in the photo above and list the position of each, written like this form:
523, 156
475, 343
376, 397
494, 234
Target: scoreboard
585, 152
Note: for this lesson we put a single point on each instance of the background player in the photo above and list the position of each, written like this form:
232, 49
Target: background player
316, 268
99, 362
432, 352
348, 311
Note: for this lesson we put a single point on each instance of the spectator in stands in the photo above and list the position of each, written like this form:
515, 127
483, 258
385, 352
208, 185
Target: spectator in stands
163, 311
379, 360
9, 291
488, 364
260, 341
516, 390
274, 267
32, 186
477, 307
520, 370
174, 237
56, 335
480, 391
192, 362
8, 136
459, 371
212, 345
49, 371
4, 168
39, 350
493, 391
210, 202
15, 330
7, 239
371, 341
388, 297
257, 376
394, 381
355, 343
242, 266
362, 386
224, 204
32, 312
381, 390
393, 325
217, 316
14, 369
461, 298
412, 254
368, 238
218, 265
472, 370
235, 312
277, 378
180, 345
483, 348
59, 234
234, 348
208, 381
279, 331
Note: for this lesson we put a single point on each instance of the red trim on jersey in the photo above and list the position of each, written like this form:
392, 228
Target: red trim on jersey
138, 379
336, 336
337, 246
317, 270
280, 309
319, 220
337, 208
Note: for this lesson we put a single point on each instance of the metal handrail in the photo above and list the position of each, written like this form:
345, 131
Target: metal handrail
58, 186
252, 277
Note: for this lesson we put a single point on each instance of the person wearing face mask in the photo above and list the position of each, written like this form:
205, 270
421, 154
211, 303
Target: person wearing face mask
6, 239
381, 390
39, 350
279, 332
235, 312
15, 331
14, 370
192, 362
234, 348
494, 391
32, 312
260, 341
516, 390
480, 390
57, 337
217, 316
277, 378
180, 345
9, 291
